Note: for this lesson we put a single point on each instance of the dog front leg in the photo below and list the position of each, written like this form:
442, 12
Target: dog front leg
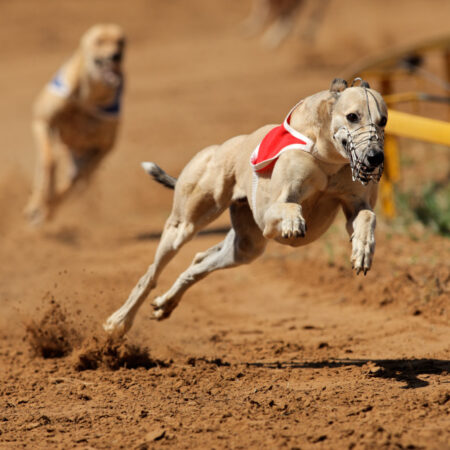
294, 179
361, 228
38, 207
284, 218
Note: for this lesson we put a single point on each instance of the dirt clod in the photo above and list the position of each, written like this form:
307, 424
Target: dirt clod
112, 354
53, 336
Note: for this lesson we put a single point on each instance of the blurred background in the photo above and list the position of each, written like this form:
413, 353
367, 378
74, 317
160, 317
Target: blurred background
195, 77
197, 73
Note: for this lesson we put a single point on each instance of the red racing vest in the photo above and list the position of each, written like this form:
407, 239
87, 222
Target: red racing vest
277, 141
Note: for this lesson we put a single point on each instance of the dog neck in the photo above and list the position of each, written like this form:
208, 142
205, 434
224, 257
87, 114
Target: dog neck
97, 91
100, 96
313, 117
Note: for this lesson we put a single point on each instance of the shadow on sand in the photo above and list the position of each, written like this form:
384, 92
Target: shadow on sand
157, 234
405, 370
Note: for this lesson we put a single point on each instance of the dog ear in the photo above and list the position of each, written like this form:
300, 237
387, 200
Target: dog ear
365, 84
338, 85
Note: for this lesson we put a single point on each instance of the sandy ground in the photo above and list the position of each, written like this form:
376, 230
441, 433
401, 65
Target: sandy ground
293, 351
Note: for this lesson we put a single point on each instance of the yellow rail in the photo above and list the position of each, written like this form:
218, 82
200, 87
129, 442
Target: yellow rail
410, 126
386, 68
416, 127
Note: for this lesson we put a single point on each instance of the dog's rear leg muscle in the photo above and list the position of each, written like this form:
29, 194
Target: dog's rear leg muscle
243, 243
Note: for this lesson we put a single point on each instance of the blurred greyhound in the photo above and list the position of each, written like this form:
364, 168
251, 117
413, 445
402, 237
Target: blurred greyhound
80, 106
328, 154
281, 15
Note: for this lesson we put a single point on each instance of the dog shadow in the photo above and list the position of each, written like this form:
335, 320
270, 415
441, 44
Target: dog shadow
403, 370
157, 234
68, 236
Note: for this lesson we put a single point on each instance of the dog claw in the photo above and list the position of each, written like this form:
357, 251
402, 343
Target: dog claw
293, 234
358, 270
366, 269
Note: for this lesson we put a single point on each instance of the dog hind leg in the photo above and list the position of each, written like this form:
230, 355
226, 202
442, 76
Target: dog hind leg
190, 213
175, 234
243, 243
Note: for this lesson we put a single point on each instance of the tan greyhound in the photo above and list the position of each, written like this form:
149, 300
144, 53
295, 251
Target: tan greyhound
333, 159
81, 107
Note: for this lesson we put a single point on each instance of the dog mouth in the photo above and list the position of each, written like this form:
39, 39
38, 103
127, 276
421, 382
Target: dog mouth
357, 145
109, 68
365, 174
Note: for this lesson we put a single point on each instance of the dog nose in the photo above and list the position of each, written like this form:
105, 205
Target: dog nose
375, 157
116, 57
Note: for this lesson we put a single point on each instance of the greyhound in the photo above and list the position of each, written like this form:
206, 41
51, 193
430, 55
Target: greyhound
284, 182
81, 106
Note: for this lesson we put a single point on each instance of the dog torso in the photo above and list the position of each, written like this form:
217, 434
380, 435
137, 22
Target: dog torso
84, 113
229, 177
83, 129
224, 173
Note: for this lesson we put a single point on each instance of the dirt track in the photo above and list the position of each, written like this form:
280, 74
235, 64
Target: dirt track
293, 351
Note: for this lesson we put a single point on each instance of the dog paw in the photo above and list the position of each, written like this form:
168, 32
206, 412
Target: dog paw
284, 220
116, 325
162, 308
35, 215
362, 254
293, 227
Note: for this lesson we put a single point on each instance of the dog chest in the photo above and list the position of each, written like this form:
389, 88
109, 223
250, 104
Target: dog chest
80, 130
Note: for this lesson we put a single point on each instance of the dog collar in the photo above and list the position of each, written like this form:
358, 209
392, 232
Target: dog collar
277, 141
113, 109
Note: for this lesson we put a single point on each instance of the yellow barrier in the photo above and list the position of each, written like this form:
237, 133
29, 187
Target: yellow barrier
390, 176
386, 68
416, 127
413, 127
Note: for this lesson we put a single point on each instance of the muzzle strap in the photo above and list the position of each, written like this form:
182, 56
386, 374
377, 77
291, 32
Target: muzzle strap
362, 138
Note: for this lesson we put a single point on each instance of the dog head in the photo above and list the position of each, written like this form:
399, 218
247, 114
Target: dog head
359, 115
103, 48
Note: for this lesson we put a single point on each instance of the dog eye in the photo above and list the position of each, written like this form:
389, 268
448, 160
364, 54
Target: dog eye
382, 122
352, 117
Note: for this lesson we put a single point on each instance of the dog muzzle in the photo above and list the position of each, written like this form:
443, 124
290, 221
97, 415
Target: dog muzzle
358, 143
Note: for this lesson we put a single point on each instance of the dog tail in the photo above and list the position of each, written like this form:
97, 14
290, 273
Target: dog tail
159, 175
